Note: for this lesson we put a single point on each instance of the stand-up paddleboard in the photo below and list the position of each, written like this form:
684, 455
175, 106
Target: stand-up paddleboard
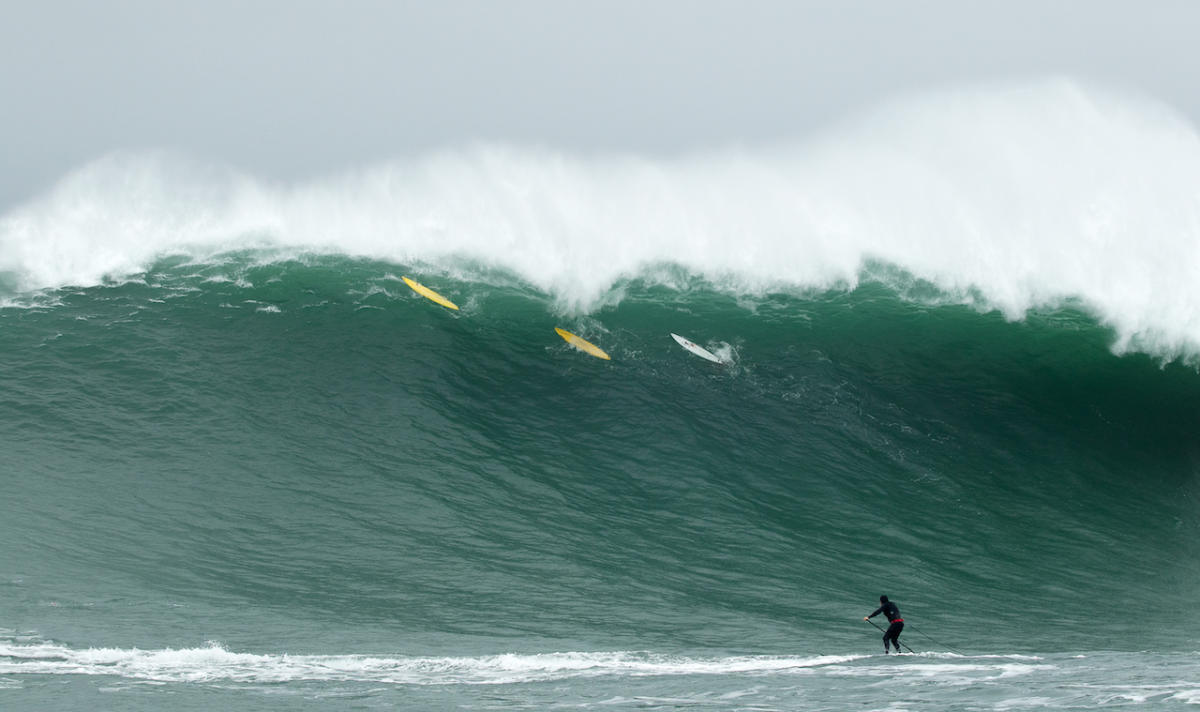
582, 344
696, 349
429, 293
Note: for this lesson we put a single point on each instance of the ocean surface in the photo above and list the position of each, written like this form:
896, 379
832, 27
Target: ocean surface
245, 467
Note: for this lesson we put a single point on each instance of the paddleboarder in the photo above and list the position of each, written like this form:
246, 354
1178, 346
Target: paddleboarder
892, 612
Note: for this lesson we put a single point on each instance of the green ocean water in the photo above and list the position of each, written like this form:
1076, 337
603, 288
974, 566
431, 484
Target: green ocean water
296, 484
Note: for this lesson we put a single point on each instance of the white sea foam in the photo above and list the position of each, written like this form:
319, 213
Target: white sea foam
214, 663
1009, 682
1013, 196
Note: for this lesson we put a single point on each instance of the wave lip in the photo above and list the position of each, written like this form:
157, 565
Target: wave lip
1011, 196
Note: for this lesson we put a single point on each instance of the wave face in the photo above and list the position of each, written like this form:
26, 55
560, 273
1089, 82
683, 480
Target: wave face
226, 418
314, 435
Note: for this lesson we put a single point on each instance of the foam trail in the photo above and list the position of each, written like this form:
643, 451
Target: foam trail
214, 663
1012, 197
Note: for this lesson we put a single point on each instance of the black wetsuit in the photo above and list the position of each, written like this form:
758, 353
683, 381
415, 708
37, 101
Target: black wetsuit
892, 611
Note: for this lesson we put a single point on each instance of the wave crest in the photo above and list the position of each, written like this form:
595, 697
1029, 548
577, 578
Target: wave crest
1013, 197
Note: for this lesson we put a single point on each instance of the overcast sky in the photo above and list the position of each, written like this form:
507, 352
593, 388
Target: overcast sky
295, 88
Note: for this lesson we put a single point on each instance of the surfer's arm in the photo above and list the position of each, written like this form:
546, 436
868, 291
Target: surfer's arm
877, 612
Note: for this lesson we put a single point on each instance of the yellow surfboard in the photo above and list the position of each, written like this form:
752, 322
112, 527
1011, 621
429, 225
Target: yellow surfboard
582, 344
429, 293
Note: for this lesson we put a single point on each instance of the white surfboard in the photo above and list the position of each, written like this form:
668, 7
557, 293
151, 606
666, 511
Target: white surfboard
696, 349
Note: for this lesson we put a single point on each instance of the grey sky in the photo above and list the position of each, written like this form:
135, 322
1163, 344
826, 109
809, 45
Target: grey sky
291, 89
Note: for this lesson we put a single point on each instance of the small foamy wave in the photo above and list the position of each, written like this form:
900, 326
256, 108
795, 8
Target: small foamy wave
216, 664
